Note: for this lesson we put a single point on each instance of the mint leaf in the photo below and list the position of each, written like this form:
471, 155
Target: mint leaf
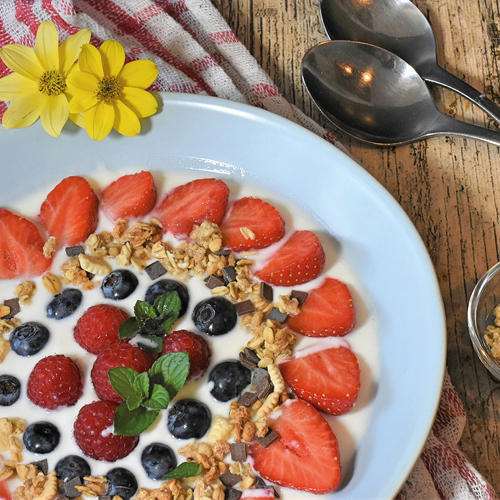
168, 304
123, 379
144, 311
133, 422
170, 371
169, 323
134, 401
142, 384
153, 344
159, 399
186, 469
128, 329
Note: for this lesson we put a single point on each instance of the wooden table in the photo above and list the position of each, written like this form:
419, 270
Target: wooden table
450, 187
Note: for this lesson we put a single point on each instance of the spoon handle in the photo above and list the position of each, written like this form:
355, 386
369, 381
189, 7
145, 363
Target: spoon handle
450, 126
442, 77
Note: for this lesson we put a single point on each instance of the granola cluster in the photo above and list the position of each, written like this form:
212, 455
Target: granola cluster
492, 334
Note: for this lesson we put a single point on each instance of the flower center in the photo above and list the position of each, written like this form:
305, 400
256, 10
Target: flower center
52, 83
108, 89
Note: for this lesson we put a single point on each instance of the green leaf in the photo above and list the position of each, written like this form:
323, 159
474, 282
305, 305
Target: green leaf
170, 371
144, 311
142, 384
169, 323
153, 345
159, 399
168, 304
123, 379
134, 401
186, 469
132, 423
128, 329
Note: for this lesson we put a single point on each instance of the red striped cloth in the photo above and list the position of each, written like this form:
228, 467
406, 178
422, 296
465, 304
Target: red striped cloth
197, 52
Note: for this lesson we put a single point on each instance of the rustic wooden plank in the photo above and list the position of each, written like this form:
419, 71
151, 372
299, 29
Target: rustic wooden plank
450, 187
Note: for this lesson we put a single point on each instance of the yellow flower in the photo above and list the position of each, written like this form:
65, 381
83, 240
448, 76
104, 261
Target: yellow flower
38, 83
110, 93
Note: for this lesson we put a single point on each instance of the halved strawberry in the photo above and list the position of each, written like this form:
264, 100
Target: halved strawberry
257, 494
21, 247
306, 455
327, 312
70, 211
193, 203
300, 259
260, 217
328, 379
4, 491
129, 196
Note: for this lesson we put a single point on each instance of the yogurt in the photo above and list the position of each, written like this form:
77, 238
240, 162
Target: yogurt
349, 428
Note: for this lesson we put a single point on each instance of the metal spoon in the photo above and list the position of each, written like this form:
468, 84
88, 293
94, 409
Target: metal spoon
377, 97
400, 27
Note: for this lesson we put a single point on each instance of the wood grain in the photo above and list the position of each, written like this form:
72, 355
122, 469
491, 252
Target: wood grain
450, 187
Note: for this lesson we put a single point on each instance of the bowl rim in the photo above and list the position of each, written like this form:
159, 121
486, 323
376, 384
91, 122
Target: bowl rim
476, 336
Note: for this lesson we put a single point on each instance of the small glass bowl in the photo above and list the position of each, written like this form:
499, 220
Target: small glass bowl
484, 298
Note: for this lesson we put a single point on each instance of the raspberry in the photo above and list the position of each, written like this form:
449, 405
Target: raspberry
98, 327
113, 356
93, 435
55, 381
195, 346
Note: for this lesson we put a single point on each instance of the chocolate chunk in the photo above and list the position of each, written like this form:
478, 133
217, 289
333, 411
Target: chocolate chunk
268, 439
61, 497
259, 483
42, 465
244, 307
14, 307
266, 291
214, 281
251, 355
276, 494
104, 497
229, 274
230, 479
246, 362
276, 315
74, 251
238, 452
155, 270
247, 399
225, 252
68, 487
264, 389
262, 382
300, 296
90, 276
232, 494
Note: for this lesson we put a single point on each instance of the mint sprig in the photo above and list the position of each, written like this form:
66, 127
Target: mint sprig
152, 322
186, 469
145, 394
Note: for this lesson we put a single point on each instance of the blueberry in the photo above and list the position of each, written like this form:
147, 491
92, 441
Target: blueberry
214, 316
163, 286
72, 466
189, 418
28, 338
119, 284
41, 437
229, 379
64, 304
158, 459
121, 482
10, 388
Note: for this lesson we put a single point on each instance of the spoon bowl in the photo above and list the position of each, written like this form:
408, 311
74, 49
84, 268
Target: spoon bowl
399, 27
376, 96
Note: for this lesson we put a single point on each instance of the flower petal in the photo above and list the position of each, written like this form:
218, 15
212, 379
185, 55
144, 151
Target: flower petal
24, 110
69, 50
90, 61
79, 81
126, 121
141, 73
78, 119
47, 45
54, 114
141, 101
113, 57
15, 85
82, 102
99, 120
22, 60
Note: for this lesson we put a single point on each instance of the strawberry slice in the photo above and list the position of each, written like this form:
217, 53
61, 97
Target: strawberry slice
193, 203
21, 247
300, 259
306, 455
257, 494
4, 491
129, 196
260, 217
329, 379
327, 312
70, 211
